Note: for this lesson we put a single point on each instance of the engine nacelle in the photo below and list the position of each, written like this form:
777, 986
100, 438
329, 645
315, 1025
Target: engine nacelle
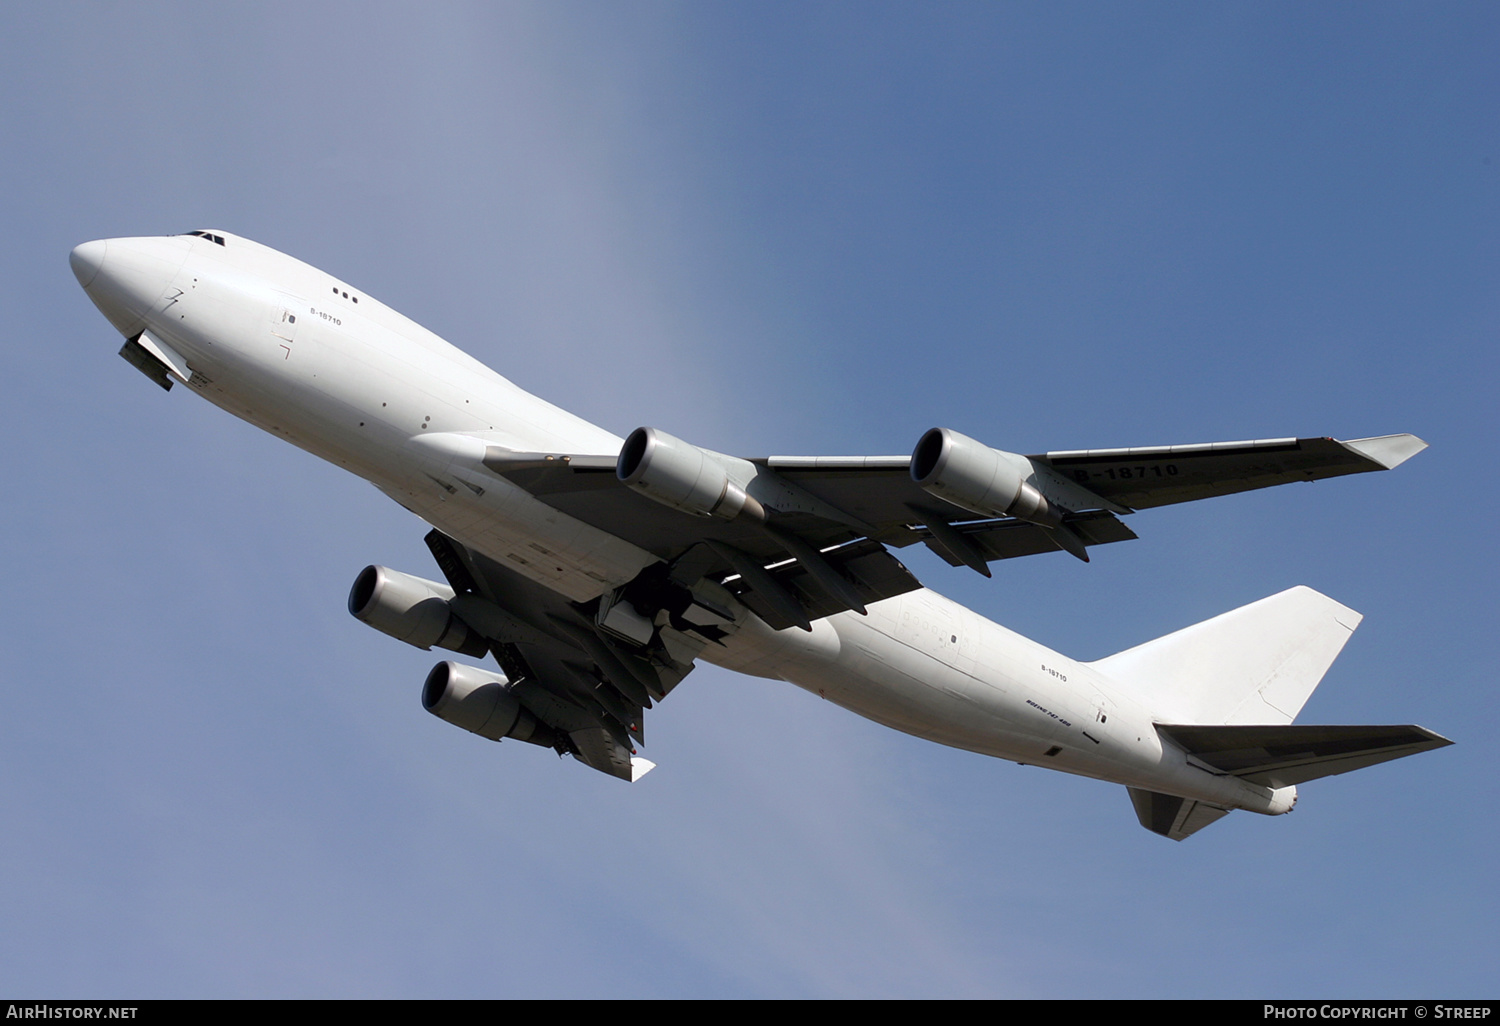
412, 610
970, 474
682, 476
480, 701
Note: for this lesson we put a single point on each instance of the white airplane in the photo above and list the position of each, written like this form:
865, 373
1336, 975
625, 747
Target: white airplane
596, 571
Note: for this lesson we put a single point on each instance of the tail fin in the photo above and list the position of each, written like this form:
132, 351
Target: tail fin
1256, 664
1226, 690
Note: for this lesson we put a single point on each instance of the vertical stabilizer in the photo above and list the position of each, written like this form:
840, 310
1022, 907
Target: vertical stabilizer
1253, 665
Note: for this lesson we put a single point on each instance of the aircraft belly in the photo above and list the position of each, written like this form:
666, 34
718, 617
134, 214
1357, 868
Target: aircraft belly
1015, 699
866, 665
517, 530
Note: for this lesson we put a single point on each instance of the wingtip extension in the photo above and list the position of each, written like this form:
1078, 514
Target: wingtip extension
1390, 451
1434, 738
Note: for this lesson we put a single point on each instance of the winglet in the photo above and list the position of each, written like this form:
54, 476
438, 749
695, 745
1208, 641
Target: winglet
640, 767
1390, 451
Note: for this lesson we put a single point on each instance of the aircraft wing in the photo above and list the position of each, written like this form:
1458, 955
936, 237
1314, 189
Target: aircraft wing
798, 567
590, 689
820, 542
822, 552
881, 490
794, 539
1160, 475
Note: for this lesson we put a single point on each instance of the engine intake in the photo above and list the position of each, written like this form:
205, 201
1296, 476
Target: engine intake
480, 701
413, 610
681, 475
970, 474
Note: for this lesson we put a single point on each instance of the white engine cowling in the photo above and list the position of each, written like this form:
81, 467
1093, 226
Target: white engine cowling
411, 609
970, 474
681, 475
480, 701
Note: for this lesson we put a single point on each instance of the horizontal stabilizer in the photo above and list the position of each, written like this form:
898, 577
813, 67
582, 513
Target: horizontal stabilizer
1171, 816
1280, 756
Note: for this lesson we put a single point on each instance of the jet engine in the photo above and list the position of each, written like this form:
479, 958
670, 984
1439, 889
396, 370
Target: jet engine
682, 476
970, 474
412, 610
480, 701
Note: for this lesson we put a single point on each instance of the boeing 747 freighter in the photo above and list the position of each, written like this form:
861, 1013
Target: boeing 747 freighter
596, 570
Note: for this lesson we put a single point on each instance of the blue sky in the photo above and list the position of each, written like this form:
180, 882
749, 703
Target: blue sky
767, 228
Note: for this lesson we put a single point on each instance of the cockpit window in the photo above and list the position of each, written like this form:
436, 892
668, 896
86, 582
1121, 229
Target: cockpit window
219, 239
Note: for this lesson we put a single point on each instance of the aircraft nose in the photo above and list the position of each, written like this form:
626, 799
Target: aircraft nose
86, 261
126, 278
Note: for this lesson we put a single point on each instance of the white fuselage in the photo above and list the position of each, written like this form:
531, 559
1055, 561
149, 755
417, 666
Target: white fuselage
300, 354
